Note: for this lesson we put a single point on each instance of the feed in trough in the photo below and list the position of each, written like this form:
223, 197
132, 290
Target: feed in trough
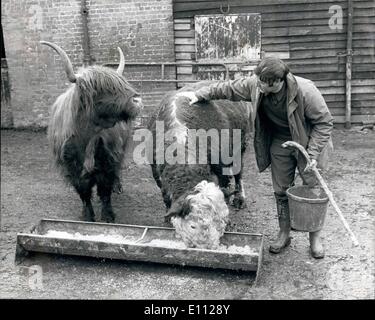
165, 243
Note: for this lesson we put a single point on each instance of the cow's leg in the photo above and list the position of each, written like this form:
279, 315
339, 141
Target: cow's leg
167, 199
156, 175
82, 182
84, 189
105, 184
225, 186
117, 186
107, 175
223, 180
156, 169
239, 195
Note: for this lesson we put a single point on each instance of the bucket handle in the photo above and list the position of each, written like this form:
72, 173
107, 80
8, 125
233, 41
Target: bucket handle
292, 184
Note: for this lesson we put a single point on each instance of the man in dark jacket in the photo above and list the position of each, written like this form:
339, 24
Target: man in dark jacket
286, 107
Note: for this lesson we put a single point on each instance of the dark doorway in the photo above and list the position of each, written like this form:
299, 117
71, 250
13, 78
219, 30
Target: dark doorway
6, 111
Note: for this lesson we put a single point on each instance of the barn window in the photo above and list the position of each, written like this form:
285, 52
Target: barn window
232, 38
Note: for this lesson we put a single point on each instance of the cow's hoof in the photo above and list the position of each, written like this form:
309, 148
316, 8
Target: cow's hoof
228, 195
239, 202
117, 188
89, 219
108, 218
88, 216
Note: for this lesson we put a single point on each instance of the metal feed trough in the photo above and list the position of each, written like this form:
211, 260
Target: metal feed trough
138, 243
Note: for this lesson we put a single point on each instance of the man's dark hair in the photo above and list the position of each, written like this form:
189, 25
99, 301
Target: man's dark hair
271, 69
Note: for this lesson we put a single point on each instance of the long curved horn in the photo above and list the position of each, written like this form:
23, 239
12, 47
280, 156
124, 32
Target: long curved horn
121, 65
67, 63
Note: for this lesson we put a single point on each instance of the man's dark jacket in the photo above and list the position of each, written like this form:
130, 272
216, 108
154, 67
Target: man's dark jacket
310, 121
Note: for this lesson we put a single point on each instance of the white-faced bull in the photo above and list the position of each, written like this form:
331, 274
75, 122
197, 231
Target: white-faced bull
196, 195
90, 124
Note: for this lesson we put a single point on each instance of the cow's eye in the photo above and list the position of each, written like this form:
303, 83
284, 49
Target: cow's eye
191, 226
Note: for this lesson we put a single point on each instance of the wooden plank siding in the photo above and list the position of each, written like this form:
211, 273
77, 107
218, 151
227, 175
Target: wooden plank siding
298, 32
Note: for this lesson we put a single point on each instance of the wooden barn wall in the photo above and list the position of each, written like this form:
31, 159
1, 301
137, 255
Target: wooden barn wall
298, 32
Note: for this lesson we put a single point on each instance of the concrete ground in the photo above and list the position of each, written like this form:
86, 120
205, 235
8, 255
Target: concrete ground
32, 190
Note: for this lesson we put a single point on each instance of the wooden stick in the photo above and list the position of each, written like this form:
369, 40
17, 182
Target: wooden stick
324, 186
334, 204
349, 61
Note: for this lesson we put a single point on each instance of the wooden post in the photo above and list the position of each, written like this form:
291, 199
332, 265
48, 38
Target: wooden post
349, 58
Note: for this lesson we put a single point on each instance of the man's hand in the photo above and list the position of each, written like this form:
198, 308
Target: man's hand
190, 95
310, 167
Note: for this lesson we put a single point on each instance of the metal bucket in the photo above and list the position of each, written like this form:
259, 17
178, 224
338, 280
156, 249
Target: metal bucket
307, 208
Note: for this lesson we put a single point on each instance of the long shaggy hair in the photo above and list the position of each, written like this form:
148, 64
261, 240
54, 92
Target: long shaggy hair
74, 113
89, 129
208, 216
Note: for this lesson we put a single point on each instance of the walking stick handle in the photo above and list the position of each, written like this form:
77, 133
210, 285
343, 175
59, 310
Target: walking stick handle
296, 145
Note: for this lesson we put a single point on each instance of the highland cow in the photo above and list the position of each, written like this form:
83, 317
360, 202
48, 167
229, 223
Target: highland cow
90, 124
196, 195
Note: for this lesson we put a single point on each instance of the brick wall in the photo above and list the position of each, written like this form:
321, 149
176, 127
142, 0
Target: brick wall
143, 29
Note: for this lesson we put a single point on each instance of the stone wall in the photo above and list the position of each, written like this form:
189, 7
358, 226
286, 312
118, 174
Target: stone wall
143, 29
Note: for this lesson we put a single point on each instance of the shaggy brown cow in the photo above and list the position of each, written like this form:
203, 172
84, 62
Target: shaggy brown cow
89, 127
195, 194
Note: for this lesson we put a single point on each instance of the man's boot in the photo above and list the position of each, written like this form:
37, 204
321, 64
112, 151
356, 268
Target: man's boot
316, 246
283, 239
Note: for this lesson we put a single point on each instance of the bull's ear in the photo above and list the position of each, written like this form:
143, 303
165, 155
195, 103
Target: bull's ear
180, 208
186, 208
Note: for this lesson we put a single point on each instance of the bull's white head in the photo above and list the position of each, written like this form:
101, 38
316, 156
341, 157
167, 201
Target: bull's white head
203, 217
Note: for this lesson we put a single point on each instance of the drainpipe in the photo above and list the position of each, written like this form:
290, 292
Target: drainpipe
349, 59
87, 60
